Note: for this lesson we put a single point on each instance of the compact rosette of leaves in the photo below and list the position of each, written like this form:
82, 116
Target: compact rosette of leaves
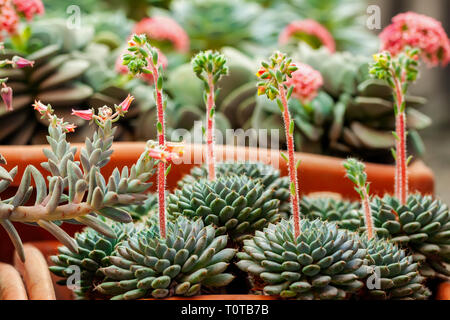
94, 249
190, 259
396, 274
269, 176
236, 205
343, 212
321, 263
77, 191
422, 224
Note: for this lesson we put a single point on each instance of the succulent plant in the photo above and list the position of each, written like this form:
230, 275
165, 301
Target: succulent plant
343, 212
141, 212
236, 205
77, 191
322, 263
422, 224
394, 272
94, 250
269, 176
192, 258
352, 115
212, 24
63, 57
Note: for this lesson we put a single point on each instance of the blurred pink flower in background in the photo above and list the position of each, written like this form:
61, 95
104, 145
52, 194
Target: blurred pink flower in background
417, 31
8, 18
7, 97
29, 8
309, 27
83, 114
306, 82
164, 29
120, 68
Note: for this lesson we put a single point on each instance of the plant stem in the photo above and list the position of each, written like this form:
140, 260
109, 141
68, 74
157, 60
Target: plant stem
401, 174
291, 164
210, 158
161, 165
365, 202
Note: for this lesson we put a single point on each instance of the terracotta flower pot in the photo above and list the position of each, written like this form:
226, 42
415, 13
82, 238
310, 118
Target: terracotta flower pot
443, 291
11, 284
317, 173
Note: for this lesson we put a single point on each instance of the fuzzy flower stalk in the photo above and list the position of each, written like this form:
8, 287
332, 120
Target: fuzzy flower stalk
356, 173
274, 75
142, 58
209, 67
398, 72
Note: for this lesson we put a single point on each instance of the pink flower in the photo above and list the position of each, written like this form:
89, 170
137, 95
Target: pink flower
68, 127
417, 31
7, 96
29, 7
8, 18
164, 29
309, 27
175, 148
160, 154
120, 68
41, 108
19, 62
125, 104
84, 114
306, 82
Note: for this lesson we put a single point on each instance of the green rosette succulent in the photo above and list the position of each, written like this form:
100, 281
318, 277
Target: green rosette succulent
269, 176
236, 205
190, 259
322, 263
422, 224
343, 212
94, 250
396, 276
143, 211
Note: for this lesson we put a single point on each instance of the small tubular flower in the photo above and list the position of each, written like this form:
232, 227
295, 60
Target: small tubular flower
306, 82
83, 114
164, 29
310, 28
19, 62
7, 96
123, 107
414, 30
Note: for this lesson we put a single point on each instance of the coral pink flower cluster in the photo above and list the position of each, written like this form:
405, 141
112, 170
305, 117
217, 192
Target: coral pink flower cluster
163, 28
306, 82
417, 31
120, 68
309, 27
29, 8
169, 152
47, 112
10, 10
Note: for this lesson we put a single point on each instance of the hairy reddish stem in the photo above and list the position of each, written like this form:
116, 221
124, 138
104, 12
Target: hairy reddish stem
365, 202
161, 180
292, 169
210, 158
401, 174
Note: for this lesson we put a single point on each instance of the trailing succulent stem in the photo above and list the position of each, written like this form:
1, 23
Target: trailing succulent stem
357, 175
274, 76
77, 191
189, 258
398, 72
209, 67
143, 58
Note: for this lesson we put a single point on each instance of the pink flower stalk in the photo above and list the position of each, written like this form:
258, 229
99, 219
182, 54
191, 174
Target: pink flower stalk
164, 29
311, 28
122, 69
19, 62
306, 82
125, 104
415, 30
83, 114
7, 96
29, 8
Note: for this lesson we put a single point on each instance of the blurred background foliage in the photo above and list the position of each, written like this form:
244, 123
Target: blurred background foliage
76, 68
